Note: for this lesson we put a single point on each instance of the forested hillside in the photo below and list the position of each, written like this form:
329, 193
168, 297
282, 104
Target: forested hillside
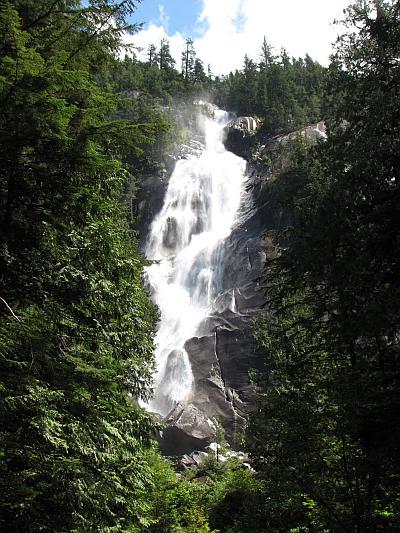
285, 93
82, 120
326, 435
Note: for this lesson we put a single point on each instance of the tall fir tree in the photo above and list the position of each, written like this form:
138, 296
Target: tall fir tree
76, 324
326, 436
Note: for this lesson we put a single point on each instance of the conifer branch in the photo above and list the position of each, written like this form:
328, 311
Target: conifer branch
9, 308
41, 17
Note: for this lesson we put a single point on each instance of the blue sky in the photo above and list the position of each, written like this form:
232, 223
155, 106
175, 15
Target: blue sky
225, 30
178, 15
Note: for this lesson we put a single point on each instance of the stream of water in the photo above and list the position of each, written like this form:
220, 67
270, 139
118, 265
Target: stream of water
186, 241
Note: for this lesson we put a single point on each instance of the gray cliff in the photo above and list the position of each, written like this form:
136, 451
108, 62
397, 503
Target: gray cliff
224, 352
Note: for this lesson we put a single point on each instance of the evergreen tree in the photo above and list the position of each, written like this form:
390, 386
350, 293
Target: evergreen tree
188, 61
326, 436
76, 324
165, 60
267, 57
284, 93
199, 76
152, 54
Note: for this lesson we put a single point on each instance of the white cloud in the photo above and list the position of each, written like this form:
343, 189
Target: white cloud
234, 28
221, 13
153, 35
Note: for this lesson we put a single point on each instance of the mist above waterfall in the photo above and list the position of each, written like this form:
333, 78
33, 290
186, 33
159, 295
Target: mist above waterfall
186, 242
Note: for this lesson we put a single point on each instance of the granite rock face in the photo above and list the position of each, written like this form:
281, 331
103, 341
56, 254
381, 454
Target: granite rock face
223, 353
240, 135
191, 424
151, 191
186, 429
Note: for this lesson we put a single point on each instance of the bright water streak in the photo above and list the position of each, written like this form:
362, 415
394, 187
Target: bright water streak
186, 239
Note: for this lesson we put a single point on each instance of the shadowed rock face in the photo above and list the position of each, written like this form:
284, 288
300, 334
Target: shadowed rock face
190, 423
151, 191
187, 429
240, 135
223, 353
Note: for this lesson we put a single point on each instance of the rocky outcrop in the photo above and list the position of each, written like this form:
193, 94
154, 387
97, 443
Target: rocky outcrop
272, 146
148, 201
224, 352
191, 424
186, 429
150, 195
239, 135
197, 459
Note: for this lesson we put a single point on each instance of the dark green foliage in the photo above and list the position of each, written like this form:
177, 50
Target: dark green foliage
76, 325
177, 504
215, 496
235, 500
158, 77
326, 437
188, 59
285, 93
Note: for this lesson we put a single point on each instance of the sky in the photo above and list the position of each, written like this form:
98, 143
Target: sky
224, 31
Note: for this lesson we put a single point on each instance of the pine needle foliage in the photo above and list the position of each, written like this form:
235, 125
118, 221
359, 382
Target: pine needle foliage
326, 435
76, 324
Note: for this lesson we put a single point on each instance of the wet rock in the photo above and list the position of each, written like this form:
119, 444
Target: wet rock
191, 148
206, 108
148, 201
170, 233
245, 125
210, 394
173, 372
150, 194
224, 351
190, 425
239, 135
187, 429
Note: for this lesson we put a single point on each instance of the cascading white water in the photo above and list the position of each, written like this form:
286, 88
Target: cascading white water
185, 239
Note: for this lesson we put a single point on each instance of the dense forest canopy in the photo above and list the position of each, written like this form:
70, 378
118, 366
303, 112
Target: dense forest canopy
81, 121
284, 93
326, 436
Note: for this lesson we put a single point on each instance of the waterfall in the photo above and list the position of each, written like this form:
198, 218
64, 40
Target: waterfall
186, 242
